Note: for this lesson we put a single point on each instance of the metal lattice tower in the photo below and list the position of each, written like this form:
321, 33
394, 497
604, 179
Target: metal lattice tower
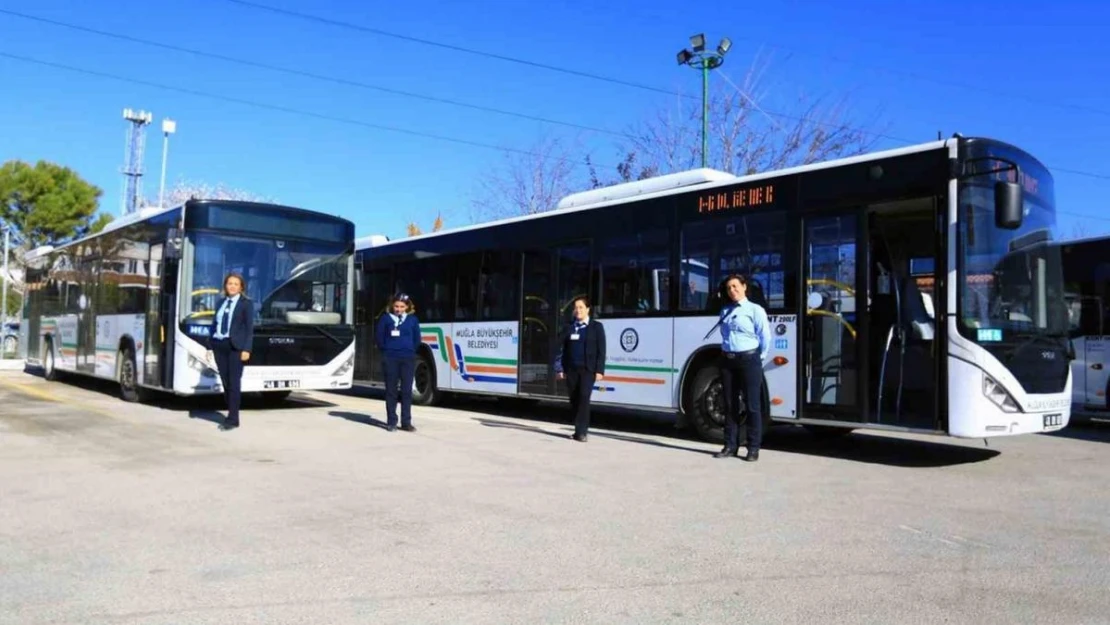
133, 159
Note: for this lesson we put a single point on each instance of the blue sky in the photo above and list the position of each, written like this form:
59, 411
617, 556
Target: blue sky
1040, 70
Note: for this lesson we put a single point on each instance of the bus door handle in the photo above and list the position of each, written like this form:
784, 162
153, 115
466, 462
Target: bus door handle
1097, 366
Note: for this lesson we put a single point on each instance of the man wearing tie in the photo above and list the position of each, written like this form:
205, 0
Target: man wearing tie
231, 343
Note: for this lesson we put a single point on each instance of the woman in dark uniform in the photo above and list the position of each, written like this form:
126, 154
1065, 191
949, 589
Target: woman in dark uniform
231, 343
582, 363
398, 337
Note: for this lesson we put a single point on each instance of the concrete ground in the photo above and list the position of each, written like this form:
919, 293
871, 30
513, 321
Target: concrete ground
312, 513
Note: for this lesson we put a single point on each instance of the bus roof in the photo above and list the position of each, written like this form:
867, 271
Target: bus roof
661, 186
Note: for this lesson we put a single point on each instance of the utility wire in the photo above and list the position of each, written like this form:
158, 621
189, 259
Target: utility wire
454, 48
283, 109
939, 81
342, 120
554, 68
295, 72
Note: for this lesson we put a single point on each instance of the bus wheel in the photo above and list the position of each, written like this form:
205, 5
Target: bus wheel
707, 405
48, 370
128, 376
424, 391
709, 408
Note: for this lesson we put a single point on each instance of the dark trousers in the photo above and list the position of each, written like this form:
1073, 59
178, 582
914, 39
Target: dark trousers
230, 366
398, 371
580, 384
743, 374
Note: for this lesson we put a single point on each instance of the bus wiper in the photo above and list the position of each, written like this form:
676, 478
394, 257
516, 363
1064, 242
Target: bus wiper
327, 334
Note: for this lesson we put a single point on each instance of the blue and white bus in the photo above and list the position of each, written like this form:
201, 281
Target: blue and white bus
135, 302
909, 290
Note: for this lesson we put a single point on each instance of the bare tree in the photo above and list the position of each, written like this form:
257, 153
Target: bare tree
744, 138
185, 190
529, 183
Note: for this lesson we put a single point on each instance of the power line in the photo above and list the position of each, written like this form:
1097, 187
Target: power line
296, 72
564, 70
938, 81
276, 107
454, 48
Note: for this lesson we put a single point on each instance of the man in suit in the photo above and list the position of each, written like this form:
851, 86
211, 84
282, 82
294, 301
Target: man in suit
231, 343
581, 362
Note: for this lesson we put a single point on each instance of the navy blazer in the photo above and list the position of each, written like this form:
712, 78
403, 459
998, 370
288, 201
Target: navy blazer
594, 347
241, 329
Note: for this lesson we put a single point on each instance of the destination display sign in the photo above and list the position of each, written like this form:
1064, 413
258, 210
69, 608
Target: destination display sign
725, 200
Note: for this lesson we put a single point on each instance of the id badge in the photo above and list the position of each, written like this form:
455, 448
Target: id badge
395, 333
574, 337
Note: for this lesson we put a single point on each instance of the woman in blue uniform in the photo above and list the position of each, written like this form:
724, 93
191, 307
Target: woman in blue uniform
398, 337
745, 340
581, 363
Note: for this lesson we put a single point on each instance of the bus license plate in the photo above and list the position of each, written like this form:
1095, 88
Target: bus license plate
276, 384
1052, 420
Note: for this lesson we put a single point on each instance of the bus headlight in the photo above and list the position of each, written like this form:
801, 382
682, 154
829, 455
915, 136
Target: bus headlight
201, 366
998, 395
345, 367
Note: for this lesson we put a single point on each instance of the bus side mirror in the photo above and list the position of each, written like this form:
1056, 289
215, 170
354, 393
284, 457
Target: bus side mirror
1008, 211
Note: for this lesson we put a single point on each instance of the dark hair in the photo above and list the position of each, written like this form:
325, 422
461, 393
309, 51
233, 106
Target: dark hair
242, 282
735, 276
581, 298
404, 299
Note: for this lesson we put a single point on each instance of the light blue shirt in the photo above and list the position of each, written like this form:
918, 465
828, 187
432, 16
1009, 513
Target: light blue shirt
744, 326
226, 310
397, 321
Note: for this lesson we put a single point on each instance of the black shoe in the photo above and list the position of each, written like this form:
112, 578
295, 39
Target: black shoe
408, 428
751, 456
726, 452
391, 428
581, 438
228, 426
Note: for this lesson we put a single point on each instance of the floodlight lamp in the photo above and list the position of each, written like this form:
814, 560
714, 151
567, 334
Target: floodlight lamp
684, 57
169, 126
698, 41
723, 48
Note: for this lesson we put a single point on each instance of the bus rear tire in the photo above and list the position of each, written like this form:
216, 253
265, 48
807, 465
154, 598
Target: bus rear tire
708, 409
424, 391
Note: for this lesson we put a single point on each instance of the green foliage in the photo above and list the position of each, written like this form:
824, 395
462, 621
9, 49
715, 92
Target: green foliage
47, 204
15, 302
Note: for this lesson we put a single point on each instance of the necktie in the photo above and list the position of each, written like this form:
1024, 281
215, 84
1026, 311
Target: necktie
225, 319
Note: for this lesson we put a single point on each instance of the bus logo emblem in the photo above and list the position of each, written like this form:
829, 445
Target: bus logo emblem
630, 340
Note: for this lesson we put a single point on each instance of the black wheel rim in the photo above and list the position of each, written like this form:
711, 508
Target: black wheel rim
421, 378
127, 374
715, 408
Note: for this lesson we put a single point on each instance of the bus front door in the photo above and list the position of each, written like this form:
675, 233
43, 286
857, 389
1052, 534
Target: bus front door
832, 375
552, 279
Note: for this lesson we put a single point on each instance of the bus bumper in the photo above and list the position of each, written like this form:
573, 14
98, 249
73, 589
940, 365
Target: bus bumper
981, 407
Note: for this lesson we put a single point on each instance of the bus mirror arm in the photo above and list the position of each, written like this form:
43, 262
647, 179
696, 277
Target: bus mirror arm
1008, 196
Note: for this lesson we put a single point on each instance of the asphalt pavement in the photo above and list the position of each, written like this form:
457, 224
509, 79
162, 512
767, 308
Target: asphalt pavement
313, 513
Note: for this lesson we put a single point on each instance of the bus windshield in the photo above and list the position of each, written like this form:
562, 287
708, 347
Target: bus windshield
290, 281
1012, 283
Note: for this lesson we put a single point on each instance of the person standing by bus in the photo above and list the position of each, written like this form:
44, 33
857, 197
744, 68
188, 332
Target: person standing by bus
581, 362
231, 343
745, 341
398, 337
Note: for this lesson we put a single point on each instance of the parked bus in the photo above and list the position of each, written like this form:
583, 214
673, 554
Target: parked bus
136, 302
908, 290
1087, 292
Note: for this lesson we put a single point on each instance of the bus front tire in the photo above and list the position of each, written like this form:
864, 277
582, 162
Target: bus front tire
129, 388
49, 370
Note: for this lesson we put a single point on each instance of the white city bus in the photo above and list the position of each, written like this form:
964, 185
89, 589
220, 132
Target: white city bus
135, 303
1087, 291
845, 256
